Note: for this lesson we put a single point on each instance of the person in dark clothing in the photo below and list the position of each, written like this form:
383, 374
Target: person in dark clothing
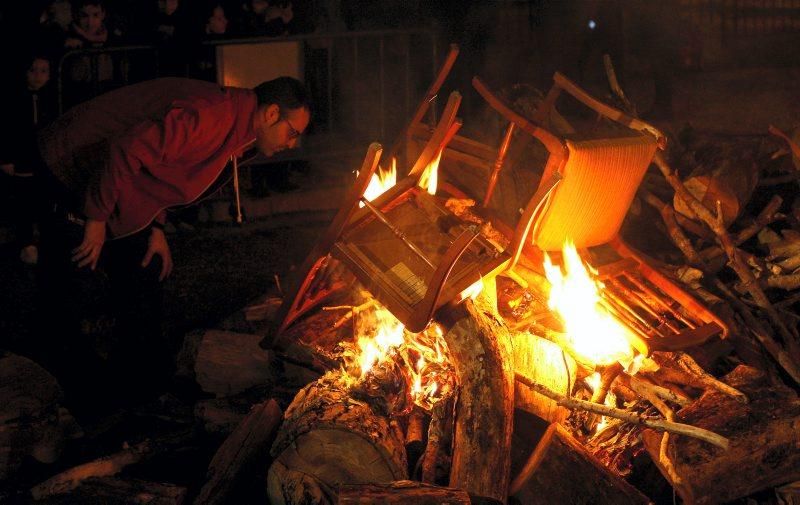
29, 108
114, 165
84, 75
264, 18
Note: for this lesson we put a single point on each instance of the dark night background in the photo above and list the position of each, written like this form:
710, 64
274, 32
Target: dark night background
730, 68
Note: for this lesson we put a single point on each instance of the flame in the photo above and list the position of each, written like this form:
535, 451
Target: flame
430, 176
380, 182
423, 356
591, 331
593, 381
473, 290
375, 349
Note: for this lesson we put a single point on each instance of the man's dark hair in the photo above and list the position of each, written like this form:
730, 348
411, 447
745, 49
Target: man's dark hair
286, 92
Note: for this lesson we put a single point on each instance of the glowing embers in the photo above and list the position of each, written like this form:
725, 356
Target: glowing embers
592, 333
420, 360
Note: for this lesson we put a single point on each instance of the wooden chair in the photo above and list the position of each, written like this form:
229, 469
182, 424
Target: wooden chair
600, 176
396, 245
401, 246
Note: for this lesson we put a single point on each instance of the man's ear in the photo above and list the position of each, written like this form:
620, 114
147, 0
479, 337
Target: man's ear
272, 114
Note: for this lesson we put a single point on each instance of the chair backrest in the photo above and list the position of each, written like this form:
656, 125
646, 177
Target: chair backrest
599, 177
599, 181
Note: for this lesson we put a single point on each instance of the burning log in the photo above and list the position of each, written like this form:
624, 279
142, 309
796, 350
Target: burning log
763, 441
542, 362
330, 438
406, 491
481, 352
240, 453
561, 470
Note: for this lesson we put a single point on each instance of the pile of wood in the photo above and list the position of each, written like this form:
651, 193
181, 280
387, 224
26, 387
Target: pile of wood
719, 421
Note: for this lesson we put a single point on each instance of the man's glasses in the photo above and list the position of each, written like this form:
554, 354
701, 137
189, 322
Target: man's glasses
293, 132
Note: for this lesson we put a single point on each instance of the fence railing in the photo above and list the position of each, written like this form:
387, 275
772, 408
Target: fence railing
364, 85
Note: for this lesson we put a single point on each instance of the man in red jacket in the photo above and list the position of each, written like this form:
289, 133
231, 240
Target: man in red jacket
115, 164
130, 154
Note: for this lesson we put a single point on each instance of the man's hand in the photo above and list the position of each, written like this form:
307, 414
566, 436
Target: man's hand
94, 235
157, 244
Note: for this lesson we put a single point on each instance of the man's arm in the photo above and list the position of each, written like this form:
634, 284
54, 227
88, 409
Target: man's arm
146, 144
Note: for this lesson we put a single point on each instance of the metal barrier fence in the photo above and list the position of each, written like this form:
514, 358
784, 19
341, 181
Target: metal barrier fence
364, 85
734, 18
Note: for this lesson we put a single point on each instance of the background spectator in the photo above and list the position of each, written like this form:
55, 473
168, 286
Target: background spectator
30, 107
264, 18
87, 75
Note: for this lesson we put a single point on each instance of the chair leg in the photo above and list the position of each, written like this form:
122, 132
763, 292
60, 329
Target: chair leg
296, 302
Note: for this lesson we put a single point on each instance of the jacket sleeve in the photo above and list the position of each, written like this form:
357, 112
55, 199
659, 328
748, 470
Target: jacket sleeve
146, 144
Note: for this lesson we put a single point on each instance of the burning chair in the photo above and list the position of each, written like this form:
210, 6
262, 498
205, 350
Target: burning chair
410, 251
599, 179
415, 256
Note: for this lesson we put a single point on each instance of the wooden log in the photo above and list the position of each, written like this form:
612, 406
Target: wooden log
481, 352
220, 416
244, 453
334, 439
545, 363
438, 454
561, 470
764, 435
228, 363
107, 466
406, 491
32, 421
415, 437
109, 490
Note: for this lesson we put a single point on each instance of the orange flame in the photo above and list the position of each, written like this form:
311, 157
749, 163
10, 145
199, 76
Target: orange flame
473, 290
593, 381
380, 182
375, 349
430, 176
591, 331
423, 356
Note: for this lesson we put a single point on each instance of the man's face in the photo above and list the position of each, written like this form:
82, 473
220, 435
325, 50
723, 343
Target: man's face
281, 129
91, 17
38, 74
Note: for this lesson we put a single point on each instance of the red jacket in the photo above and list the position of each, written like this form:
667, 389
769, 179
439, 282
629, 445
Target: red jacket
135, 151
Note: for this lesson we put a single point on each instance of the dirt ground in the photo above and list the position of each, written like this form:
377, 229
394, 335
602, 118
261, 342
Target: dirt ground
218, 269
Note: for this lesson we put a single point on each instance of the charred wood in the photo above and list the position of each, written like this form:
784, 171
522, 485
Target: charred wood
243, 453
561, 470
763, 438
